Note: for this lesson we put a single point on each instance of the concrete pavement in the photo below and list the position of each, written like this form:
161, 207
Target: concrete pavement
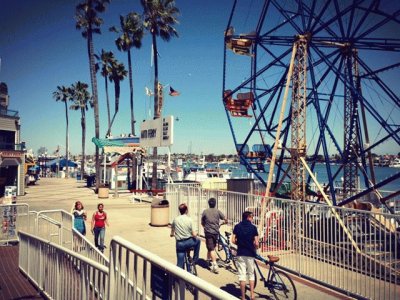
131, 221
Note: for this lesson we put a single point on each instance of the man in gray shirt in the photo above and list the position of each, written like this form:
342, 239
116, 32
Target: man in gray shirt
185, 235
210, 221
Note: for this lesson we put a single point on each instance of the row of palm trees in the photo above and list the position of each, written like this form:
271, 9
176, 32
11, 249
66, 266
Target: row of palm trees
158, 18
81, 100
113, 71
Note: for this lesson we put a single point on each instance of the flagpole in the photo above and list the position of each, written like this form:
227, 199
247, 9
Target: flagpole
58, 161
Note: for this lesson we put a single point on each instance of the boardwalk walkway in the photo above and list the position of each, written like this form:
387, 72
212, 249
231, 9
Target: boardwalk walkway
13, 284
131, 221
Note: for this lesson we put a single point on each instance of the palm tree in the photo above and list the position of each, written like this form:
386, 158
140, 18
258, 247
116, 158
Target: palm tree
117, 74
159, 17
105, 59
63, 94
131, 29
89, 22
81, 98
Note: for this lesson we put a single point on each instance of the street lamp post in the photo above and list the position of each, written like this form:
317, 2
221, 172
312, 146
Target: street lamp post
41, 164
45, 167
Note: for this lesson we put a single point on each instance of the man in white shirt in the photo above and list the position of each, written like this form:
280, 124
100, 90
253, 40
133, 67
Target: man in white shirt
186, 237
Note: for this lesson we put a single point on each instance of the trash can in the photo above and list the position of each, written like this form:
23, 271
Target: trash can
159, 213
103, 192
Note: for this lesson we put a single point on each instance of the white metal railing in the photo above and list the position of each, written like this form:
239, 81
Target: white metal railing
84, 247
14, 217
56, 226
357, 252
133, 273
132, 268
60, 273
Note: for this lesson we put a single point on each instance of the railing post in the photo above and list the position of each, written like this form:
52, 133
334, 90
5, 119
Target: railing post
111, 272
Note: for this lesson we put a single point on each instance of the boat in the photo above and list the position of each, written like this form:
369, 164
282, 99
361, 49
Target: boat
202, 174
395, 163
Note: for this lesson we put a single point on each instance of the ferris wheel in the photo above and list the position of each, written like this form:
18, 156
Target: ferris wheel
314, 82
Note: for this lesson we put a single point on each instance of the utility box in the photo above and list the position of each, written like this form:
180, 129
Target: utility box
241, 185
237, 205
159, 213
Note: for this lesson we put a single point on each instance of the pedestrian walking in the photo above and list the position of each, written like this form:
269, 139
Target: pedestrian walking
245, 236
210, 221
185, 235
80, 216
98, 225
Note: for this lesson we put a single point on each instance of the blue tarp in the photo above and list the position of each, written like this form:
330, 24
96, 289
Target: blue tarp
63, 163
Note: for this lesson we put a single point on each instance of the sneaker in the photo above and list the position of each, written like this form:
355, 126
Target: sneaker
214, 269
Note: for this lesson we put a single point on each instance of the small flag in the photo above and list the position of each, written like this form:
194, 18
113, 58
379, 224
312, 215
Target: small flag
172, 92
148, 92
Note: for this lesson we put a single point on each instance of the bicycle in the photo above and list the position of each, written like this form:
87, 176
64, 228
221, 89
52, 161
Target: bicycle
188, 263
278, 283
190, 266
225, 251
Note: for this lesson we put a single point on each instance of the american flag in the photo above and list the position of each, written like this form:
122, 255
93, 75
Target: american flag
173, 92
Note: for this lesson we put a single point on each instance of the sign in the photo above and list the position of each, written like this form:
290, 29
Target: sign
12, 154
10, 194
157, 133
159, 282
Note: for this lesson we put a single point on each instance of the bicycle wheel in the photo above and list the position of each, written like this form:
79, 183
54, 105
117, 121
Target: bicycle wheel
220, 250
282, 286
193, 269
233, 256
190, 266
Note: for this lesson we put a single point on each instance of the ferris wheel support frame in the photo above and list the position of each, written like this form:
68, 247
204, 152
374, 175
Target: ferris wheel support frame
341, 31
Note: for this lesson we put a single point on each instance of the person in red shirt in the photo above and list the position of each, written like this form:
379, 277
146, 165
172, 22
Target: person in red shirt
98, 225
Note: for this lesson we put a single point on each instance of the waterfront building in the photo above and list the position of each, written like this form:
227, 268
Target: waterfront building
12, 150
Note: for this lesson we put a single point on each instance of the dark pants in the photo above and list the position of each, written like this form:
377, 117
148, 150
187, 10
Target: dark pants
183, 246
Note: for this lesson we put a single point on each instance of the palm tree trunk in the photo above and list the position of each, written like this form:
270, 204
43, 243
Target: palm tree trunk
111, 124
108, 101
117, 94
66, 136
93, 81
83, 125
131, 93
157, 112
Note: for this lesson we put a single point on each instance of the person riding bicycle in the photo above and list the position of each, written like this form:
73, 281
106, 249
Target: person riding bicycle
210, 221
245, 236
186, 237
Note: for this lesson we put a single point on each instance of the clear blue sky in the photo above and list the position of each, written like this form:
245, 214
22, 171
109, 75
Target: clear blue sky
41, 49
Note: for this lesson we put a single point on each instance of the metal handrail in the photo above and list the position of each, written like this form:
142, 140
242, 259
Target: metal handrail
115, 275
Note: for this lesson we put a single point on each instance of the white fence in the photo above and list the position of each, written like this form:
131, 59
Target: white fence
356, 252
60, 273
136, 273
63, 264
133, 273
56, 226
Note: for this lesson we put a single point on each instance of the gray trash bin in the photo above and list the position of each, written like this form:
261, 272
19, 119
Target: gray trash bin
159, 213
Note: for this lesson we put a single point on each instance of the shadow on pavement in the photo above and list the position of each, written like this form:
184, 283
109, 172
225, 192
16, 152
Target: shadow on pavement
231, 289
202, 263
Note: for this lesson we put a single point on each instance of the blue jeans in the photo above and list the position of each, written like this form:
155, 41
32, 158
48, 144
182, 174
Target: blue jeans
183, 246
99, 233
